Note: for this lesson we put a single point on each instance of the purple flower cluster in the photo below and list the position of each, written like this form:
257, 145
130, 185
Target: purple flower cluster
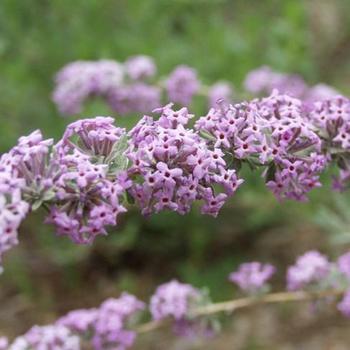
182, 84
295, 147
252, 277
104, 328
26, 178
129, 87
138, 97
88, 190
332, 118
343, 264
173, 299
83, 79
140, 67
274, 133
263, 80
79, 321
33, 161
80, 180
123, 86
112, 324
320, 92
109, 325
46, 338
13, 208
4, 343
309, 269
220, 91
312, 271
163, 164
344, 304
172, 166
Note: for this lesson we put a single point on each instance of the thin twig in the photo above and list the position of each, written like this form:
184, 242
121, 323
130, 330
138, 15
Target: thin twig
232, 305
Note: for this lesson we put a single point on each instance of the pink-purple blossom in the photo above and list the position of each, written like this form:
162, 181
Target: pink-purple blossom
263, 80
173, 299
87, 193
272, 132
182, 84
109, 329
174, 166
79, 321
163, 164
105, 327
343, 264
83, 79
4, 343
252, 277
140, 67
47, 337
344, 305
310, 268
220, 91
138, 97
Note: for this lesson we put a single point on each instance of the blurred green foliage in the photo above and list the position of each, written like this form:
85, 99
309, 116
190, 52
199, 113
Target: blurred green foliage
222, 39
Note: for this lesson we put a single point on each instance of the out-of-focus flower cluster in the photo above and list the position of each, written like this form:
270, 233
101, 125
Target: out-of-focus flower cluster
332, 118
84, 79
172, 299
104, 328
114, 324
312, 267
129, 87
47, 337
263, 80
133, 86
109, 326
182, 84
313, 272
252, 277
123, 86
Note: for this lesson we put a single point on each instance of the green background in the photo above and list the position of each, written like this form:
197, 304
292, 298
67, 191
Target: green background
45, 275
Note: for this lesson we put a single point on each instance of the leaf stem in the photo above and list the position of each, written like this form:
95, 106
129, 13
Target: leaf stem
233, 305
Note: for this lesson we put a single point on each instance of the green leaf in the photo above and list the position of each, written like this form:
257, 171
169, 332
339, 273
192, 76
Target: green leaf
129, 198
37, 204
121, 145
48, 195
270, 175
